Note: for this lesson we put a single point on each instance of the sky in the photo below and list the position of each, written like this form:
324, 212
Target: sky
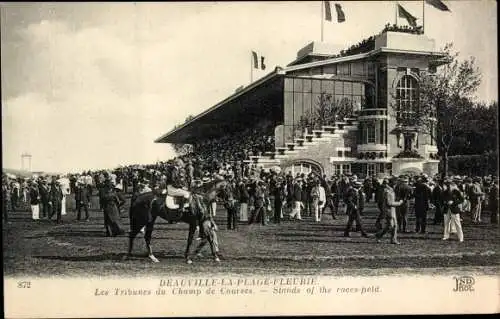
92, 85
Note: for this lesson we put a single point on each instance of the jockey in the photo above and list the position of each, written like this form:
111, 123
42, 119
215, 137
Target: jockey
176, 183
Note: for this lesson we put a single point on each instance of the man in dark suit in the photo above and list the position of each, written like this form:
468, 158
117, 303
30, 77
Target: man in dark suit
422, 195
278, 194
44, 191
403, 192
354, 201
229, 198
55, 197
82, 198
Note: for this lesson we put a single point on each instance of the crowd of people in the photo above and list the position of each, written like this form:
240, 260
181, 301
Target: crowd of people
368, 44
259, 196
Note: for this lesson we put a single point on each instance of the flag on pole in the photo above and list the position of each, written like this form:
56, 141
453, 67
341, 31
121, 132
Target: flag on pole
340, 13
256, 61
328, 11
402, 13
438, 4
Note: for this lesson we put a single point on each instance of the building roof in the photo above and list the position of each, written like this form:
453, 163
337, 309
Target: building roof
174, 135
187, 131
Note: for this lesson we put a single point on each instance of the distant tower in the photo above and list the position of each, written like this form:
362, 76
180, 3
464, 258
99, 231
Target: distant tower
26, 157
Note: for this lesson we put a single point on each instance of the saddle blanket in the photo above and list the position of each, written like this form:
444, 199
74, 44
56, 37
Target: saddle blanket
173, 202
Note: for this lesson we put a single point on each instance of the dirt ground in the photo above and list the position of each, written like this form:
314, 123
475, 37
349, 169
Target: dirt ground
80, 248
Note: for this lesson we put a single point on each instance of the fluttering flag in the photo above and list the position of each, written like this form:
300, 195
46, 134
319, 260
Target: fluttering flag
256, 61
402, 13
438, 4
328, 11
340, 13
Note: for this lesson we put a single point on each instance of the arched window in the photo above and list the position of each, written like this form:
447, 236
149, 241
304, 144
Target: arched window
406, 98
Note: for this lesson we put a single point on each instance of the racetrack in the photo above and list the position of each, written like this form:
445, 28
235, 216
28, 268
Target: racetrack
79, 248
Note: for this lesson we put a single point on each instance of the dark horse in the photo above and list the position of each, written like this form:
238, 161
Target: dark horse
147, 207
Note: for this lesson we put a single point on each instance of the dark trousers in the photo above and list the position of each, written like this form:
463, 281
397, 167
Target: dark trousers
380, 216
354, 216
258, 214
45, 208
494, 213
13, 203
5, 211
278, 206
56, 210
388, 228
85, 207
231, 217
331, 205
438, 215
420, 219
402, 216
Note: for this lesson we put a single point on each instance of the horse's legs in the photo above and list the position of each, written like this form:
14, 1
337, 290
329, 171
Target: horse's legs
192, 229
214, 246
134, 230
147, 238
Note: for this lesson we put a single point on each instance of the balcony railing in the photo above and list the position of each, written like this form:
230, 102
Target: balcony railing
371, 112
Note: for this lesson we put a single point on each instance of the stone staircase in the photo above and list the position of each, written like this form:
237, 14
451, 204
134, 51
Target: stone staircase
301, 145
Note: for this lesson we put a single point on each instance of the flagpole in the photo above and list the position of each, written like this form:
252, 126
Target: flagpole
251, 67
322, 19
423, 16
396, 13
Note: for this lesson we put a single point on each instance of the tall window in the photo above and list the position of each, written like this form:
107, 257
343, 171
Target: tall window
370, 133
338, 170
406, 98
346, 169
371, 169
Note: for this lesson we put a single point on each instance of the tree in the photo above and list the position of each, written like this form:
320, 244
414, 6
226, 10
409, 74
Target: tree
479, 134
327, 112
445, 96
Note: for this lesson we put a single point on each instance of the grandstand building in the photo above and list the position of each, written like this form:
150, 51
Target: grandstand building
378, 80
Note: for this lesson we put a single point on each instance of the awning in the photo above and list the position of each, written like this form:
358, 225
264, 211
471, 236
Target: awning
237, 112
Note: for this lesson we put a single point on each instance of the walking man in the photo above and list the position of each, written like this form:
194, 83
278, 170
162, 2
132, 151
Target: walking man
389, 209
354, 201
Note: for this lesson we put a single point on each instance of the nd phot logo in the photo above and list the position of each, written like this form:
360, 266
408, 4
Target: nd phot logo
464, 283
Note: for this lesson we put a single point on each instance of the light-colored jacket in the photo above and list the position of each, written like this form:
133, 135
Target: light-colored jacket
322, 195
390, 201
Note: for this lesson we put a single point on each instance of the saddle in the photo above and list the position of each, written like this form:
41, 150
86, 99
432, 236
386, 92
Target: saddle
172, 202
